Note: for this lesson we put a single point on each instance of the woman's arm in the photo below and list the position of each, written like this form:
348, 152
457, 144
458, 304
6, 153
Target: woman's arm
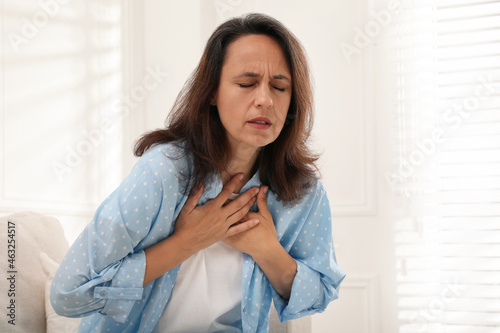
307, 236
279, 267
104, 268
307, 285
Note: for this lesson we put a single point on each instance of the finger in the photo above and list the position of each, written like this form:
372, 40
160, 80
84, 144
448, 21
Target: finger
262, 200
228, 190
194, 197
240, 213
240, 202
240, 227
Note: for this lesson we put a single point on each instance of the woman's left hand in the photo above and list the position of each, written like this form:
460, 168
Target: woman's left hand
261, 238
261, 242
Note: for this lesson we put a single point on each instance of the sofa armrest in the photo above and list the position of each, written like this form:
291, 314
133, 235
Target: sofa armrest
27, 234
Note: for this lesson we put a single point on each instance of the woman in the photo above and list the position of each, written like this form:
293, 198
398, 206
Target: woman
223, 213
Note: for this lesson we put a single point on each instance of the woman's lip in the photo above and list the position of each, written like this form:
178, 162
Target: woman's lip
267, 121
261, 123
259, 126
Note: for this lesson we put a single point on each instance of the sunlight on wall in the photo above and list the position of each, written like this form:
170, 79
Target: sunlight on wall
61, 79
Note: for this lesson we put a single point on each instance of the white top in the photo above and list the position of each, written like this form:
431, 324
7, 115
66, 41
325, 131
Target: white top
207, 293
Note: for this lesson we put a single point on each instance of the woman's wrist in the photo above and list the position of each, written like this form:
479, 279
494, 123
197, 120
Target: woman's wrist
164, 256
266, 253
279, 267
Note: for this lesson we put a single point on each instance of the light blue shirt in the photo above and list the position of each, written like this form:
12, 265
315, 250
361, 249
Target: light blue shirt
101, 276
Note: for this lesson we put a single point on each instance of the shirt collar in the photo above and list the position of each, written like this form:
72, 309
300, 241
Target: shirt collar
214, 188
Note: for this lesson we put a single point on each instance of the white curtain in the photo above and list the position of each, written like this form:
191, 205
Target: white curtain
446, 173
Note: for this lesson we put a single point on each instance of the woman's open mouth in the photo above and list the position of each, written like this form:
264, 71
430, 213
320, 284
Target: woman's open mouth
260, 123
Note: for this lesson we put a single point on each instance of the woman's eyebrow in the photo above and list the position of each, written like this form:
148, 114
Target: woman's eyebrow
281, 77
252, 74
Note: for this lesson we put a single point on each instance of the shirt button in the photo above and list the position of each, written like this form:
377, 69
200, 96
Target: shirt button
251, 266
103, 293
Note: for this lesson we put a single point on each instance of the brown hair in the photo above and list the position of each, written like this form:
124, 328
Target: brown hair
286, 165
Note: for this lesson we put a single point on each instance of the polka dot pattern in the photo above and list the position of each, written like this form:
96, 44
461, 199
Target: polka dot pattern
101, 276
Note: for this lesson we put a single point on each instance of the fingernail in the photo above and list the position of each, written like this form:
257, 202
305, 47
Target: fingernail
256, 221
265, 189
240, 177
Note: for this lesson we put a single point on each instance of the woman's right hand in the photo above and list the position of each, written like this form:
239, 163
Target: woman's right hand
198, 227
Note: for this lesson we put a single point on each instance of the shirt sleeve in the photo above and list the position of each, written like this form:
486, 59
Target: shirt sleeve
103, 271
318, 277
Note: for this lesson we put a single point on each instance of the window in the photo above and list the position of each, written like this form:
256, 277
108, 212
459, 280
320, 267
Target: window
61, 78
446, 176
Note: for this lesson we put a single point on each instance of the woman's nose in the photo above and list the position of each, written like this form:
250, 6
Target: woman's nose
263, 97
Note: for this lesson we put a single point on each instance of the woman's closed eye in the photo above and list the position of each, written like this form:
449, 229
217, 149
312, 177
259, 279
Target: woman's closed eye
251, 84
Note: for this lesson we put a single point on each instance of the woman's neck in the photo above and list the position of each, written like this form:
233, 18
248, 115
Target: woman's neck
242, 161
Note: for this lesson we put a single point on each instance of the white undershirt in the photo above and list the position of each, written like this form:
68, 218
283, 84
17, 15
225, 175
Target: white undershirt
207, 293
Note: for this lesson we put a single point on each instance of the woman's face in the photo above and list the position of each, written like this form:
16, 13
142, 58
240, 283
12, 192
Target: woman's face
254, 92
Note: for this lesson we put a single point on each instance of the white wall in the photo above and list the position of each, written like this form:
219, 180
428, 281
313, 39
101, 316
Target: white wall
60, 76
172, 42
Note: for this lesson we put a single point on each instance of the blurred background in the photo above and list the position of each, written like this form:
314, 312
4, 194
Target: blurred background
407, 120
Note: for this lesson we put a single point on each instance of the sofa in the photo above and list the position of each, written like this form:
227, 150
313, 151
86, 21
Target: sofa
35, 244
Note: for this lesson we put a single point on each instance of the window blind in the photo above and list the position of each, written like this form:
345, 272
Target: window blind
446, 171
60, 82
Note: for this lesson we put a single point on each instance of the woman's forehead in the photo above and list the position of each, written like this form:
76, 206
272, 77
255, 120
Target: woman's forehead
256, 53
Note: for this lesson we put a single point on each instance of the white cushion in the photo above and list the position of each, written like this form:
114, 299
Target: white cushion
55, 323
34, 233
